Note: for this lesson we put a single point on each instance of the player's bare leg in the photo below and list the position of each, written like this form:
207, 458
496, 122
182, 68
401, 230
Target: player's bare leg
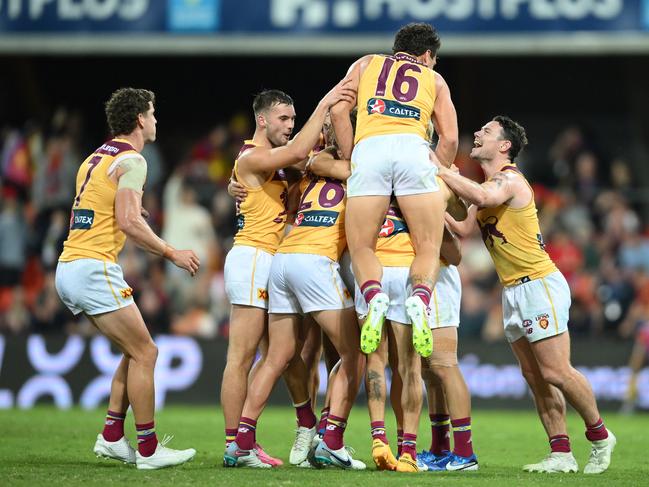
311, 353
440, 419
409, 369
551, 407
636, 361
126, 329
444, 366
340, 327
553, 356
332, 362
424, 214
396, 386
247, 326
283, 358
364, 216
375, 387
112, 443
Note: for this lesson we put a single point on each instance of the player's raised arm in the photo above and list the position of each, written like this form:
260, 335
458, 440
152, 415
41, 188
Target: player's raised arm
445, 122
263, 159
325, 165
340, 111
496, 191
131, 175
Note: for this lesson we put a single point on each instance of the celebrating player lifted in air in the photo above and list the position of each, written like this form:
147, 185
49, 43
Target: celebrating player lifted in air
536, 296
397, 97
107, 208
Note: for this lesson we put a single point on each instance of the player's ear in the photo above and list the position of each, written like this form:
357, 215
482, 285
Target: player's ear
261, 120
505, 145
140, 120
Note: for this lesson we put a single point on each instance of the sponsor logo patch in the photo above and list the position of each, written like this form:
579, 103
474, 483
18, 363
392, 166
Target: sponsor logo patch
316, 218
82, 219
392, 227
392, 108
262, 294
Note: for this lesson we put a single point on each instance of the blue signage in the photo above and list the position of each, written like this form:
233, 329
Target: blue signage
318, 17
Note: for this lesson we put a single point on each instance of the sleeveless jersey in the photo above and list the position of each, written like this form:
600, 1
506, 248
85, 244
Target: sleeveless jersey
94, 233
261, 218
319, 226
513, 238
396, 95
394, 247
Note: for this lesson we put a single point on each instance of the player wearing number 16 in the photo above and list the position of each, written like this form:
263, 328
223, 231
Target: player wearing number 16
397, 97
106, 210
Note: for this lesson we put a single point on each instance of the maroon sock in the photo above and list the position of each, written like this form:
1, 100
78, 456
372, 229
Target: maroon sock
304, 414
246, 437
378, 431
369, 289
399, 442
334, 432
230, 435
322, 425
409, 445
147, 441
424, 292
113, 426
462, 445
560, 444
440, 425
597, 431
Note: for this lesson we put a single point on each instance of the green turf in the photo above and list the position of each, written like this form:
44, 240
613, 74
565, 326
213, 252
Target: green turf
47, 446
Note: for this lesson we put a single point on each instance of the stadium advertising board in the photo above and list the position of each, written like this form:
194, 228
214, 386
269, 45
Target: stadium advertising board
273, 25
74, 371
322, 16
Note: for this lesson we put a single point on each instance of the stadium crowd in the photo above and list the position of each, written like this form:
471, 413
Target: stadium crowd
590, 210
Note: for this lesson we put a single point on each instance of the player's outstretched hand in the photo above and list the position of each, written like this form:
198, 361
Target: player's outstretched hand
343, 91
185, 259
237, 191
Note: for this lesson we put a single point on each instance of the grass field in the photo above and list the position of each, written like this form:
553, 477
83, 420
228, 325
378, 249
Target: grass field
48, 446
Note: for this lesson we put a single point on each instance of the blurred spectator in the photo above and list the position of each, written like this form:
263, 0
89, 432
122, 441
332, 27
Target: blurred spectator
13, 239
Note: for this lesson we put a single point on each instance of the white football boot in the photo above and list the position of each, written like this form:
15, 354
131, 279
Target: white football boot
303, 439
164, 457
117, 450
555, 462
600, 454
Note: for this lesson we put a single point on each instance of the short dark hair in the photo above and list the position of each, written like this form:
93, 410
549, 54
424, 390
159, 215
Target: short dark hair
124, 106
268, 98
416, 38
514, 133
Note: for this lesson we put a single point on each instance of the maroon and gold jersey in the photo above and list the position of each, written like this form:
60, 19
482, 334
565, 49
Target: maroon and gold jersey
319, 226
513, 238
94, 233
396, 95
261, 217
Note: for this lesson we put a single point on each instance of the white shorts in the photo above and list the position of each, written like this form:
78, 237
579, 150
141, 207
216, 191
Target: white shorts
303, 283
444, 307
395, 163
395, 285
347, 273
536, 309
92, 286
246, 276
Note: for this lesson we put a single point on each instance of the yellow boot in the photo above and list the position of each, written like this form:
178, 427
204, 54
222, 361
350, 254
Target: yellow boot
382, 456
407, 464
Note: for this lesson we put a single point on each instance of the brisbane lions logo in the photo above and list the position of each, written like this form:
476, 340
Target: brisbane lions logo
489, 230
298, 219
376, 106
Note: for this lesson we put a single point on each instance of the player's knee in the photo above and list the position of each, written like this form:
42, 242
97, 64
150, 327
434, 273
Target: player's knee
556, 376
441, 362
531, 376
146, 354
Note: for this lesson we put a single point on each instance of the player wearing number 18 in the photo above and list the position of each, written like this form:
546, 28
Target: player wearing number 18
106, 210
397, 97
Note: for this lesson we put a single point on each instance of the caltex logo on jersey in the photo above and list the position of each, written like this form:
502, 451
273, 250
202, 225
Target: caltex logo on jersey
376, 106
387, 229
